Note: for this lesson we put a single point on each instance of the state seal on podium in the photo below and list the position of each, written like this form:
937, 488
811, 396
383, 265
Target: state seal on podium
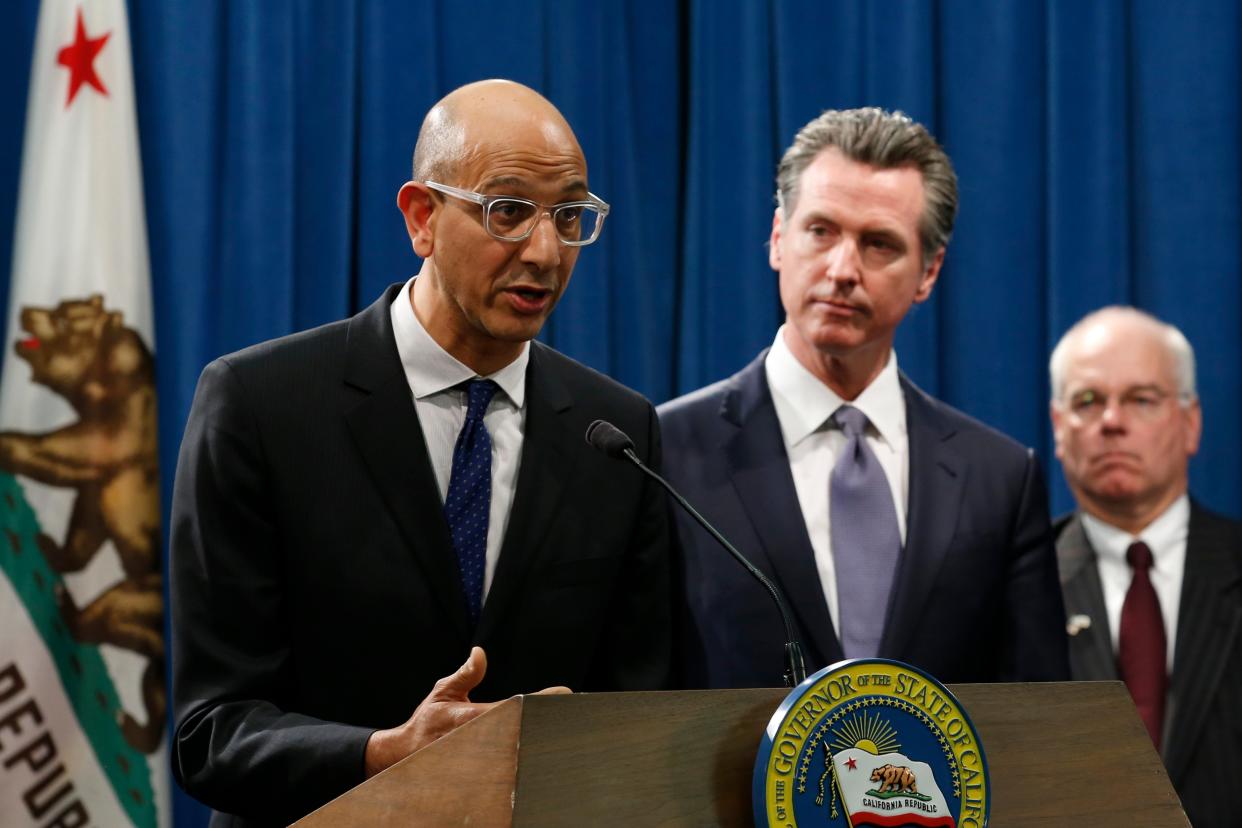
871, 742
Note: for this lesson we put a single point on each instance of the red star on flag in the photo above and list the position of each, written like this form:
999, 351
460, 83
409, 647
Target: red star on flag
79, 58
851, 763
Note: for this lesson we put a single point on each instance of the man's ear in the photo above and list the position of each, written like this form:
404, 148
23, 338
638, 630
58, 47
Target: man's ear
1194, 427
416, 204
774, 241
1057, 416
930, 274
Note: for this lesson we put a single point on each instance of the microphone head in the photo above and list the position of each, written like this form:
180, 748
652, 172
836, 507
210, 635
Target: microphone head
609, 439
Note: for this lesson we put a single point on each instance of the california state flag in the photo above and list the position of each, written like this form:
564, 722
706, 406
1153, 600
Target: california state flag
82, 696
889, 791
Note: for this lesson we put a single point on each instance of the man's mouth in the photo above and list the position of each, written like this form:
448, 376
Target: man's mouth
838, 308
529, 298
30, 343
1114, 458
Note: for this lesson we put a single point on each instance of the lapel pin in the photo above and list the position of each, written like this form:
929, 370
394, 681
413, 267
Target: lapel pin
1077, 623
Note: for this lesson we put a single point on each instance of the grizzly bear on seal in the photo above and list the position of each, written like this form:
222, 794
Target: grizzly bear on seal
105, 371
895, 778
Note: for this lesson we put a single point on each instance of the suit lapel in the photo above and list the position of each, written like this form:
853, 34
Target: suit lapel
548, 452
759, 468
937, 478
1209, 633
385, 427
1091, 647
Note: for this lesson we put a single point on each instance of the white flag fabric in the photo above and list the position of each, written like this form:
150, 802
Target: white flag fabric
82, 693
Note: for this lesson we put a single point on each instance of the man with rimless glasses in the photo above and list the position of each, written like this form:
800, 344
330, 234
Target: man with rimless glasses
1152, 581
383, 525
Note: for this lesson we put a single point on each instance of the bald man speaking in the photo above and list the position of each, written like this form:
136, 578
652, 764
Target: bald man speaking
383, 524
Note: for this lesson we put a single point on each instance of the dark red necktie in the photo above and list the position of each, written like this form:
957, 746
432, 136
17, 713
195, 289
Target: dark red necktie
1140, 652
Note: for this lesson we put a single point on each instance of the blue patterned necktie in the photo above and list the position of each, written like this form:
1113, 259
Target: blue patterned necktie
865, 538
469, 498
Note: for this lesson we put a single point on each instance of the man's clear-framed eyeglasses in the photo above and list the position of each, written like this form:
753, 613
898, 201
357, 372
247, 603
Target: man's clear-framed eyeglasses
1143, 403
513, 219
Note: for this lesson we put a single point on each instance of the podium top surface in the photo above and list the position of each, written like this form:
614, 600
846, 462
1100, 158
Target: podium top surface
1067, 753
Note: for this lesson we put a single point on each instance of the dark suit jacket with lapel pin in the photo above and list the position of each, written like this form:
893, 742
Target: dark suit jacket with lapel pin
315, 594
975, 596
1202, 738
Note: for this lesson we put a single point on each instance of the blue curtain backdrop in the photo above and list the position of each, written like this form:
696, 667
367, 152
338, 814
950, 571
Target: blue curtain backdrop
1097, 145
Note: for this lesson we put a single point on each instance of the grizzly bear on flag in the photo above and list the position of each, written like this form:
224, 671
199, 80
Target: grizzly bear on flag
895, 778
106, 373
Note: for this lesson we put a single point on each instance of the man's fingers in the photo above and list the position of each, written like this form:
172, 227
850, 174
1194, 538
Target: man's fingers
467, 677
553, 691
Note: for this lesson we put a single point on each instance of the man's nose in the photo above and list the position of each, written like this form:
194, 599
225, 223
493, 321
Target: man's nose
543, 248
1113, 417
843, 263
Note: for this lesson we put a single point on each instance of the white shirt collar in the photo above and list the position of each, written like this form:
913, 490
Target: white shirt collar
430, 369
1163, 535
804, 403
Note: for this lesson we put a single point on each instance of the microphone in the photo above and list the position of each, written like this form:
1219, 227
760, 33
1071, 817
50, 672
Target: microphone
611, 440
615, 443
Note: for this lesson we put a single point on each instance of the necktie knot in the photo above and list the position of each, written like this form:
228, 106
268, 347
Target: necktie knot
1138, 555
479, 393
850, 420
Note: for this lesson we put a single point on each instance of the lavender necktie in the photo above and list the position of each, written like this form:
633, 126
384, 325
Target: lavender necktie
865, 538
469, 498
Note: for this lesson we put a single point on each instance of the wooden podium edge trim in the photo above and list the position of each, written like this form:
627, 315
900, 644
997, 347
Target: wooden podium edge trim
425, 788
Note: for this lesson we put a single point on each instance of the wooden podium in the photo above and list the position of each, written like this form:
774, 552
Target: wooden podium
1072, 753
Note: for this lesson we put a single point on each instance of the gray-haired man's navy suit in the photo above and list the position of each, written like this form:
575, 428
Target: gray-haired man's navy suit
975, 597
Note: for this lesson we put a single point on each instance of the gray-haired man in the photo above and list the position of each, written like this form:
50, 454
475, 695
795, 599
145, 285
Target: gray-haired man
898, 526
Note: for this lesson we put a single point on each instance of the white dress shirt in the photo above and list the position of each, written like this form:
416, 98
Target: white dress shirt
1166, 537
433, 375
803, 406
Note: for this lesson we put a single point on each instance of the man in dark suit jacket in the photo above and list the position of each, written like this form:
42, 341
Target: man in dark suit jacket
866, 203
1127, 420
317, 589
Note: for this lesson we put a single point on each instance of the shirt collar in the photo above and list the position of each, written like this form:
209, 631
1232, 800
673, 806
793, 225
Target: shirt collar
803, 403
430, 369
1162, 535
